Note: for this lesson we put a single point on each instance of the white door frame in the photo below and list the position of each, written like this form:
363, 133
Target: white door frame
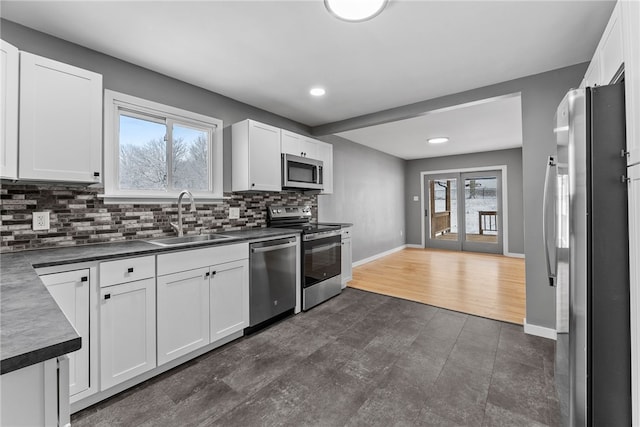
505, 212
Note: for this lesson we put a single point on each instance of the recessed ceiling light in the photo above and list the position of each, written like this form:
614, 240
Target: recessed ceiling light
317, 91
355, 10
438, 140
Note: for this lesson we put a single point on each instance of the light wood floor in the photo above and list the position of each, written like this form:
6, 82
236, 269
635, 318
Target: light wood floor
491, 286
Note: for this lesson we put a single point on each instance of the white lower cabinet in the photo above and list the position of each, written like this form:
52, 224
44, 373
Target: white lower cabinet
347, 259
183, 313
229, 298
203, 296
127, 331
70, 290
37, 395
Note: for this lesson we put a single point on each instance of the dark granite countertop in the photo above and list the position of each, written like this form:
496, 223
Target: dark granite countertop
32, 326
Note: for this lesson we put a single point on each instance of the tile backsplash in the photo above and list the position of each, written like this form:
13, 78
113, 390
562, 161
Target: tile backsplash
78, 216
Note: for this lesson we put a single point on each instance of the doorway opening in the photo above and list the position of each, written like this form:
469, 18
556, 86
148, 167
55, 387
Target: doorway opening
464, 210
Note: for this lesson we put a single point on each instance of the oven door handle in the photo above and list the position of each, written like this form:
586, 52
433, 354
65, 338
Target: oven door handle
273, 248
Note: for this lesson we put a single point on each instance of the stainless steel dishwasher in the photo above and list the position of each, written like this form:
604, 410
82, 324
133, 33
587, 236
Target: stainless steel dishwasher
272, 280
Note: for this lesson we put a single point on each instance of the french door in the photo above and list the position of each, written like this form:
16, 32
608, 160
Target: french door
463, 211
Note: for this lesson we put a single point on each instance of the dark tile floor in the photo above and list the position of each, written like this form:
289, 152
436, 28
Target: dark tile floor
360, 359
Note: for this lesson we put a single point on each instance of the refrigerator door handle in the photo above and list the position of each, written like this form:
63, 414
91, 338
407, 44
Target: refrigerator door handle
551, 162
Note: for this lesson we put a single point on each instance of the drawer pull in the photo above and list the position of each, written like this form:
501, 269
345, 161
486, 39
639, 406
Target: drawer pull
107, 296
130, 270
84, 278
206, 274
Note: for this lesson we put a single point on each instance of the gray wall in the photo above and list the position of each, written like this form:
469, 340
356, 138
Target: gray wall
541, 94
512, 158
368, 191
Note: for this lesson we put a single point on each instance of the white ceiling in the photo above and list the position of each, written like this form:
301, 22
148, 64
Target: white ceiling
493, 124
270, 53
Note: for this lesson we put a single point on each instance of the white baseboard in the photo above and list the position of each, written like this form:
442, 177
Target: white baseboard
378, 256
514, 255
414, 246
539, 331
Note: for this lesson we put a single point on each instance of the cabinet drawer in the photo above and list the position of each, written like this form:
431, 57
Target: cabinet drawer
197, 258
126, 270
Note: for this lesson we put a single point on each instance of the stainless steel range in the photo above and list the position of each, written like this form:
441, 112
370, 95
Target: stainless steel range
321, 253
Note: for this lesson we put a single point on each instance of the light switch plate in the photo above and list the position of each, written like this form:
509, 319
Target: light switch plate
416, 198
41, 220
234, 213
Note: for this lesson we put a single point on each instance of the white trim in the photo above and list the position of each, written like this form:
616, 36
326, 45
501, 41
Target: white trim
505, 200
414, 246
113, 102
514, 255
378, 256
539, 331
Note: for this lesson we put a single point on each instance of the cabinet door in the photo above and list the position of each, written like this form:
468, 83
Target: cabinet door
30, 396
346, 262
592, 77
229, 298
292, 143
183, 313
127, 331
264, 157
326, 155
60, 121
9, 79
611, 48
630, 16
70, 290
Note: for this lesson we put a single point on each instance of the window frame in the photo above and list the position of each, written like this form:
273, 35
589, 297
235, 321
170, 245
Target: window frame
114, 103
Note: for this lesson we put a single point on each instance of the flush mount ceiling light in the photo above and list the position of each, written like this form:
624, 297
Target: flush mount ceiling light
317, 91
438, 140
355, 10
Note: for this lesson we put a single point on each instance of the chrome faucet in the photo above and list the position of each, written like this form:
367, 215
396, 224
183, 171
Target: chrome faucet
178, 226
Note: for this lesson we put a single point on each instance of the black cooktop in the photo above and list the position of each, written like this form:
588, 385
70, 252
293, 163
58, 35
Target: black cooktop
297, 218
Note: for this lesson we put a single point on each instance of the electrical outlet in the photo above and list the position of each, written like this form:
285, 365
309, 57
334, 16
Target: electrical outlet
41, 220
416, 198
234, 213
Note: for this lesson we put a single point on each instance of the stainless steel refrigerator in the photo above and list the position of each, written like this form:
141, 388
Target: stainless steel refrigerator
587, 240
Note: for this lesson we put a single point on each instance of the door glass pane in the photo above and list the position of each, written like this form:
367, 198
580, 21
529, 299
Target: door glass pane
444, 212
143, 154
190, 158
481, 209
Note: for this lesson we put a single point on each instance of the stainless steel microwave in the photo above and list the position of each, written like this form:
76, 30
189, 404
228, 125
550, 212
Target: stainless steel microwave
301, 172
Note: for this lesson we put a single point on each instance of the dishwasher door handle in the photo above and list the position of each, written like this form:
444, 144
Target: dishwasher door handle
272, 248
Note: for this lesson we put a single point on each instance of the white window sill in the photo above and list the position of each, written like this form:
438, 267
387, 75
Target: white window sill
154, 199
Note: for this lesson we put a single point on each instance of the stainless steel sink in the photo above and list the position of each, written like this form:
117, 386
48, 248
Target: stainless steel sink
188, 240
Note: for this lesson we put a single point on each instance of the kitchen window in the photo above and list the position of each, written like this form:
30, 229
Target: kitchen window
154, 151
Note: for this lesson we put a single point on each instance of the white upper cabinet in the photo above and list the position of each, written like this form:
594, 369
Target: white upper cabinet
256, 164
298, 145
60, 121
630, 17
610, 48
326, 155
592, 77
9, 78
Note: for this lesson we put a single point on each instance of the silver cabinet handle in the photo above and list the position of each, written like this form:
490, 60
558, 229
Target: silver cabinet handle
272, 248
